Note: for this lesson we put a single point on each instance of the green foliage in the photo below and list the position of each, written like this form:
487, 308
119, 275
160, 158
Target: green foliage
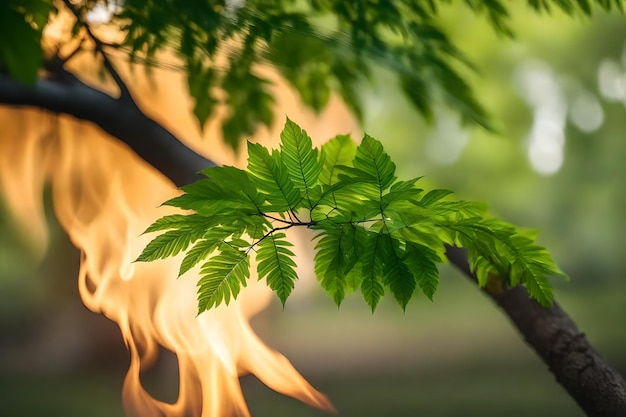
318, 46
374, 233
21, 26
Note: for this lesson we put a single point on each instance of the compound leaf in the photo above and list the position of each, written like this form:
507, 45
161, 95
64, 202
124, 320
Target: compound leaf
333, 259
199, 252
300, 159
396, 274
372, 160
422, 262
374, 232
275, 263
372, 269
222, 277
271, 176
169, 244
340, 150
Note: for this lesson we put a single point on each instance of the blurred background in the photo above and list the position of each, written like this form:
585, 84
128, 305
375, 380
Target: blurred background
557, 97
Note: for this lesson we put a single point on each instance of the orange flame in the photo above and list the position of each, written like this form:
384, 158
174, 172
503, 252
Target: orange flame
104, 197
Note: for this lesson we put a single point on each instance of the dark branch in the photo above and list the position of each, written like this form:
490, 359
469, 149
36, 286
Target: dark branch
597, 388
122, 119
71, 55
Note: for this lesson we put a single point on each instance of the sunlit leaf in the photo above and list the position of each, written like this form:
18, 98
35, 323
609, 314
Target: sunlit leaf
276, 265
374, 232
272, 177
222, 277
372, 159
396, 274
199, 252
422, 262
300, 159
338, 151
372, 269
169, 244
334, 259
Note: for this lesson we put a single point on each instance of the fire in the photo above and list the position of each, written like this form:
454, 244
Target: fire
105, 196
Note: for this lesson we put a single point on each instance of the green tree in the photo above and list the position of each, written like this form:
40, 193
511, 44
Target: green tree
318, 47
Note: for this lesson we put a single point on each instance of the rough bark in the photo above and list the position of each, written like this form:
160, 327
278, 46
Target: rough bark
587, 377
597, 388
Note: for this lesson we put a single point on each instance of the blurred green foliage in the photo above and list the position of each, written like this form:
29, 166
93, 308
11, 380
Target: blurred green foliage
318, 46
578, 205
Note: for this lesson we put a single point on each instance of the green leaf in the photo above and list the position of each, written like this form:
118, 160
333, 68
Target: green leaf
255, 225
496, 246
372, 269
460, 209
222, 277
422, 233
434, 196
531, 266
340, 150
417, 90
271, 176
585, 6
460, 96
422, 262
275, 263
169, 244
180, 221
486, 246
337, 154
372, 160
233, 184
396, 274
300, 159
200, 79
20, 44
334, 258
536, 282
355, 183
248, 98
228, 191
401, 196
199, 252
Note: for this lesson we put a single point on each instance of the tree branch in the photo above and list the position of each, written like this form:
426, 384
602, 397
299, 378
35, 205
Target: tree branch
122, 119
124, 92
594, 385
597, 388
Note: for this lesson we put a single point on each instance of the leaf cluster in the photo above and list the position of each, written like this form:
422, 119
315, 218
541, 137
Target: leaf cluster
319, 46
374, 232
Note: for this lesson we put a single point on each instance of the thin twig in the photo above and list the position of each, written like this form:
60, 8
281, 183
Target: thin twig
276, 229
124, 92
276, 218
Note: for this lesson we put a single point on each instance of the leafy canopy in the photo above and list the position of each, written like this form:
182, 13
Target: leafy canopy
373, 232
318, 46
